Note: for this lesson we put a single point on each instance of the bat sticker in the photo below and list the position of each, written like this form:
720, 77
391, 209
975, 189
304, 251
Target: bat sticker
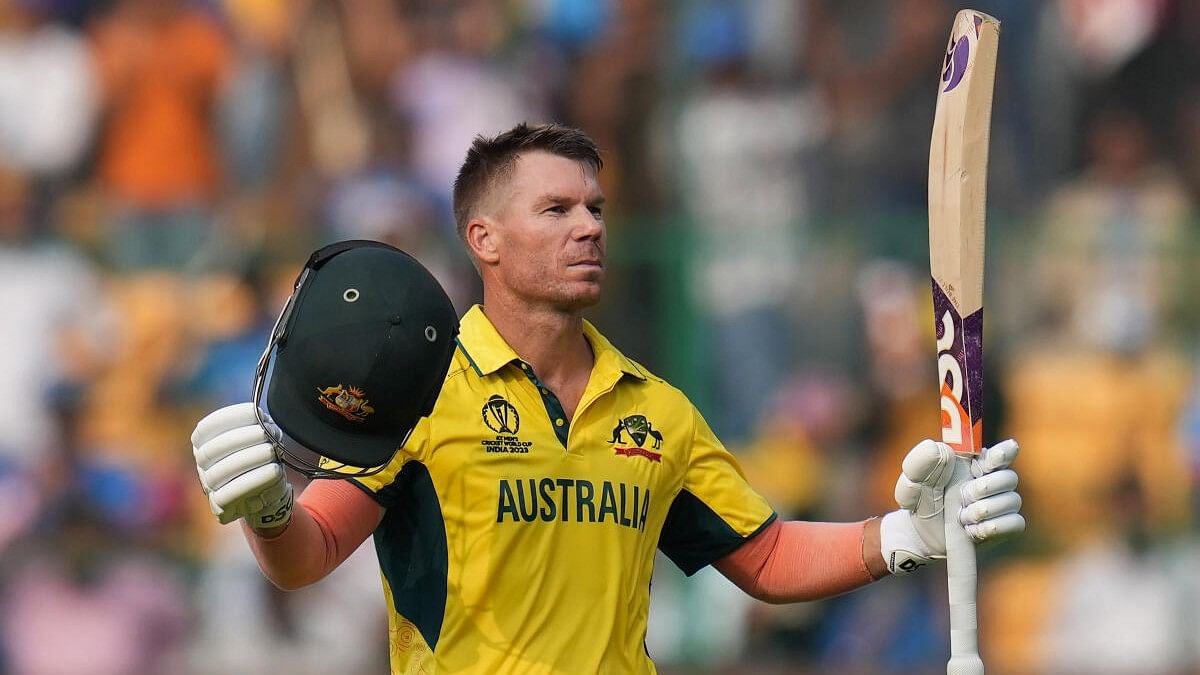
959, 361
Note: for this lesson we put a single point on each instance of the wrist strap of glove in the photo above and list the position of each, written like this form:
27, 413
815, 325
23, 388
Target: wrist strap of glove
902, 547
276, 511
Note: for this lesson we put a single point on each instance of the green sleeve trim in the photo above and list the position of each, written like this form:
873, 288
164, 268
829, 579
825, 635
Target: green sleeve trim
694, 536
413, 554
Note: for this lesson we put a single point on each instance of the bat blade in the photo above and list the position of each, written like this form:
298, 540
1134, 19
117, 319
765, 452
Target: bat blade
958, 154
957, 201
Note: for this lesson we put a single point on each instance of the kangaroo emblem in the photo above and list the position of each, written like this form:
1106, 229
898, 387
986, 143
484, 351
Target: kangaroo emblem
639, 428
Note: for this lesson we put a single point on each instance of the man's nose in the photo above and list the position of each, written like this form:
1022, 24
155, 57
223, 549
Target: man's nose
588, 225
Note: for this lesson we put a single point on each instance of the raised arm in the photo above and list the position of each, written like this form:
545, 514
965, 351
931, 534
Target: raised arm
333, 519
243, 479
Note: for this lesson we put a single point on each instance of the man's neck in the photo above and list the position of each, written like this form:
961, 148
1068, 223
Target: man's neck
552, 341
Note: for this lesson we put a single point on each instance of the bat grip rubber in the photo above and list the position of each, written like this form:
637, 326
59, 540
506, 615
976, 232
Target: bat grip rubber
961, 576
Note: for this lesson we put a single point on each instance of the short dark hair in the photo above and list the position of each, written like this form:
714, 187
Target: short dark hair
491, 160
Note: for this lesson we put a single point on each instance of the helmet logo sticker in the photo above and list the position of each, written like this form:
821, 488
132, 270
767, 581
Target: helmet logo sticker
349, 402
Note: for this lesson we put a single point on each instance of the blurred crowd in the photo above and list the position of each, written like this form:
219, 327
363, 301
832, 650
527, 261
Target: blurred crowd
167, 165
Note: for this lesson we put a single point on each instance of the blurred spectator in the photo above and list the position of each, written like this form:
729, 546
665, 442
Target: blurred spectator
1109, 258
900, 628
614, 90
1120, 414
741, 142
246, 625
812, 415
238, 314
47, 92
129, 417
1102, 35
338, 132
254, 105
871, 62
57, 328
460, 86
1098, 358
380, 36
162, 66
900, 374
1126, 605
797, 461
897, 628
83, 600
385, 201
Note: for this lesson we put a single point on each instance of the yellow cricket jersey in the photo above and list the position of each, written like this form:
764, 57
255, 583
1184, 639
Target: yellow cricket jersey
518, 541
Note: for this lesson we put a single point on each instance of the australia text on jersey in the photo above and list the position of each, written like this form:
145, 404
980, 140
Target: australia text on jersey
572, 500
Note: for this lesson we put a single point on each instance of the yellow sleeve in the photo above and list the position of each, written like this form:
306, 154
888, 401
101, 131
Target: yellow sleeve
415, 449
716, 510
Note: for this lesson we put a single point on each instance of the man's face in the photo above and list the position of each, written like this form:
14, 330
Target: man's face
550, 235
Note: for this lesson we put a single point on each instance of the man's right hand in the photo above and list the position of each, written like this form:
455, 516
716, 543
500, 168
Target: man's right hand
989, 510
239, 470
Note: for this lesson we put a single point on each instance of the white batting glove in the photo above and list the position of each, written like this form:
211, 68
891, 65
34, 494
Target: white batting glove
239, 470
915, 534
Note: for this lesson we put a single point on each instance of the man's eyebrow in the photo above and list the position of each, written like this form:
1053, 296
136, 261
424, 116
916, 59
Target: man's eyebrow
551, 198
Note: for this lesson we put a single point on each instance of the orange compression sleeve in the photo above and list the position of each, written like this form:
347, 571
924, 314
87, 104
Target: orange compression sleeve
332, 518
796, 561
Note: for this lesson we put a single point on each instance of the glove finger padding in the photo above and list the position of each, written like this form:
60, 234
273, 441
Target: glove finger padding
990, 502
248, 493
228, 443
926, 470
990, 507
994, 529
999, 456
1004, 480
224, 419
908, 493
930, 464
238, 463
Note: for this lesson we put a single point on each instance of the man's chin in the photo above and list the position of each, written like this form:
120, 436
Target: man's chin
582, 298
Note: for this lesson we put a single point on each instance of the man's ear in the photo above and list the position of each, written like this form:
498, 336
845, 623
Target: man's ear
482, 236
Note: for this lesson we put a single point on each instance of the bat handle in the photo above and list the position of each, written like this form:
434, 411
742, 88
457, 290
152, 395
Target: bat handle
961, 578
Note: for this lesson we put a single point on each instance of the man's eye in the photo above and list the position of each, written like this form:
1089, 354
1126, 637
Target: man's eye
596, 212
559, 210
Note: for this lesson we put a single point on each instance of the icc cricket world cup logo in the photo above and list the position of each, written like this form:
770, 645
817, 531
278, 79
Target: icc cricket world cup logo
501, 416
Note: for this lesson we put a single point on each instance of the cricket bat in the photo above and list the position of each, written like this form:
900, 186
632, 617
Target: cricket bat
958, 154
